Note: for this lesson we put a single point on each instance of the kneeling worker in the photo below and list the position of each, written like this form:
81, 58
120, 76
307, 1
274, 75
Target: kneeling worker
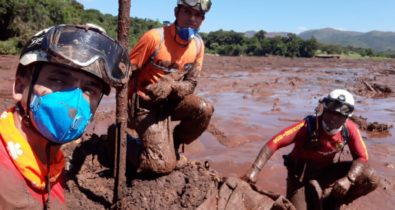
315, 179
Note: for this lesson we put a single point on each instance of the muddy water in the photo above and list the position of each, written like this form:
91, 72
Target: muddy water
253, 105
250, 107
255, 98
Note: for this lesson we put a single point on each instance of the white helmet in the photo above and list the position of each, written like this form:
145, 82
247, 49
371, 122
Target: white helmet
339, 100
201, 5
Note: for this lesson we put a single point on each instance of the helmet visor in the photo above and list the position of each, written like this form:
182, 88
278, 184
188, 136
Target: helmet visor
338, 106
204, 4
82, 47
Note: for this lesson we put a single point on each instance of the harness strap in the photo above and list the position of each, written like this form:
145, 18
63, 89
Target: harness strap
311, 127
197, 38
161, 38
198, 44
345, 134
313, 138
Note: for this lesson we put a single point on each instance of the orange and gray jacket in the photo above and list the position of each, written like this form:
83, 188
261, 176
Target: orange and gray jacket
160, 52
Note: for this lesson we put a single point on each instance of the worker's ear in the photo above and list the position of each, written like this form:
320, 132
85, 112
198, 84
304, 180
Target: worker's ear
19, 86
176, 10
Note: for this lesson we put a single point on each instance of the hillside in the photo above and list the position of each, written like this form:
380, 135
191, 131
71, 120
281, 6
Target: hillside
20, 19
379, 41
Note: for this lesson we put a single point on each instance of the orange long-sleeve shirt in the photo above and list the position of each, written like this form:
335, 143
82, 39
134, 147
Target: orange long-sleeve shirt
173, 53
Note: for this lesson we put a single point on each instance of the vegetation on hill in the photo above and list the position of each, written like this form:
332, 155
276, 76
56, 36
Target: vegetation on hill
20, 19
378, 41
234, 43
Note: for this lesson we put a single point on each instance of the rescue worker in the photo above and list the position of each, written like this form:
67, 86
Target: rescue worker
167, 62
62, 74
316, 177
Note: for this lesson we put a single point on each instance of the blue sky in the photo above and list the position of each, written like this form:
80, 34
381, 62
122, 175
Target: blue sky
271, 15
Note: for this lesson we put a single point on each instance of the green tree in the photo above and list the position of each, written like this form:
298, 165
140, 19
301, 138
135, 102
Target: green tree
260, 35
308, 48
293, 44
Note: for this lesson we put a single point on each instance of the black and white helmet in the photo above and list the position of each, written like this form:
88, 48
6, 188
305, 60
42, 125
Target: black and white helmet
201, 5
83, 47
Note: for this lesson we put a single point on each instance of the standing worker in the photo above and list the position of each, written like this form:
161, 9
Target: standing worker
167, 62
62, 75
316, 179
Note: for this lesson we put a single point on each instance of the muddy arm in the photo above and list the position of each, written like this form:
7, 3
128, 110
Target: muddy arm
356, 170
263, 156
342, 186
187, 86
174, 85
183, 88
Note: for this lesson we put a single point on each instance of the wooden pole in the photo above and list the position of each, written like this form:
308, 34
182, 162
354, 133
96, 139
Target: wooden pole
121, 110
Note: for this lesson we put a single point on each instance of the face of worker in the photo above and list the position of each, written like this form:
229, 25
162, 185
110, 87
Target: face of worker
333, 119
188, 17
53, 78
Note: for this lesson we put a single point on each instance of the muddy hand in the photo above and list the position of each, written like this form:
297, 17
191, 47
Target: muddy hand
159, 91
175, 76
250, 176
341, 187
264, 155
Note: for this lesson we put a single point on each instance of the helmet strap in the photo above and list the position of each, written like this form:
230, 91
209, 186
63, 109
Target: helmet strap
25, 114
314, 134
47, 177
316, 122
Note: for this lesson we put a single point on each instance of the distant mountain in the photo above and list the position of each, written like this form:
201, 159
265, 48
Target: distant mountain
268, 34
273, 34
249, 33
377, 40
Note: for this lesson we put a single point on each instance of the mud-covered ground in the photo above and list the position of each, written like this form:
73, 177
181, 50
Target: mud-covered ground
254, 98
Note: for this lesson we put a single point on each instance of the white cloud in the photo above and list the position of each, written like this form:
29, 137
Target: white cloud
340, 29
301, 29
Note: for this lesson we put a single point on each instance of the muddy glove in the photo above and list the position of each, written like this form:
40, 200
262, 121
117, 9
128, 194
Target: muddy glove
187, 84
182, 89
342, 185
159, 91
263, 156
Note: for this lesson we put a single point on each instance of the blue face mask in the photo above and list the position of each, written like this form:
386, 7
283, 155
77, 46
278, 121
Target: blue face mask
61, 116
187, 33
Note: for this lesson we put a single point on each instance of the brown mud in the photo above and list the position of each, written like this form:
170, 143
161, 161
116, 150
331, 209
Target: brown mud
254, 97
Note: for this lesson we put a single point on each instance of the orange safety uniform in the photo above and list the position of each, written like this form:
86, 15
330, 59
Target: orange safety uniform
22, 175
172, 53
329, 144
316, 161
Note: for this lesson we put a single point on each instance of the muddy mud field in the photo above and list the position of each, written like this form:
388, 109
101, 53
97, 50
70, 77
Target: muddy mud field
254, 97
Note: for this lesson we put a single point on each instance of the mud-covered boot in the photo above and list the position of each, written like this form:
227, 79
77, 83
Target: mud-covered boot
157, 155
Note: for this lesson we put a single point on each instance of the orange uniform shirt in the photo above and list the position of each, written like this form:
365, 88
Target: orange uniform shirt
173, 53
